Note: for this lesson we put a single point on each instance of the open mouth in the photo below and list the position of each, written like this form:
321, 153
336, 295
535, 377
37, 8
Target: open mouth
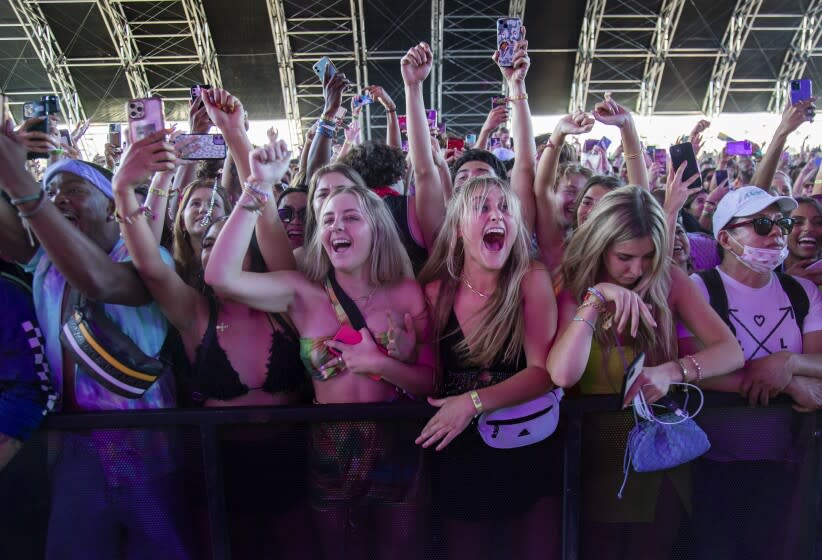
494, 239
808, 242
340, 245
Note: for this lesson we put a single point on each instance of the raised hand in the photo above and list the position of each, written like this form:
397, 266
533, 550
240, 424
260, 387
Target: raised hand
577, 122
520, 63
224, 110
36, 141
380, 95
198, 121
152, 154
416, 64
269, 163
795, 115
677, 191
496, 116
333, 89
352, 132
612, 113
80, 131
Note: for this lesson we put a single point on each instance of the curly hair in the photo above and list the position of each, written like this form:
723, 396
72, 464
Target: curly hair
377, 163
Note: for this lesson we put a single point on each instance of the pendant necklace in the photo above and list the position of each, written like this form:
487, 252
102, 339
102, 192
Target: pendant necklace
473, 289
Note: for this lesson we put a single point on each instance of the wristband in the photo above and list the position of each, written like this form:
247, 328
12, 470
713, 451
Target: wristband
158, 192
597, 293
631, 156
324, 130
27, 198
697, 366
521, 97
141, 211
476, 400
586, 321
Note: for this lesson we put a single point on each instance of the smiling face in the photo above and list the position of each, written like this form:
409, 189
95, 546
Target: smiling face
295, 203
346, 234
805, 240
210, 238
626, 262
682, 247
80, 202
325, 185
589, 200
197, 208
488, 230
568, 189
471, 169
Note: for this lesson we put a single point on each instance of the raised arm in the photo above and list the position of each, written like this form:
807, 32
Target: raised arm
524, 170
319, 152
271, 235
227, 114
392, 124
430, 196
496, 116
792, 117
177, 300
612, 113
676, 193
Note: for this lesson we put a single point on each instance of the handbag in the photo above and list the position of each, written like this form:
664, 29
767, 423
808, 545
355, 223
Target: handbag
106, 354
522, 424
664, 441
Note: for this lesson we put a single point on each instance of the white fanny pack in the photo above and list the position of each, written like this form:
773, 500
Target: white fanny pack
523, 424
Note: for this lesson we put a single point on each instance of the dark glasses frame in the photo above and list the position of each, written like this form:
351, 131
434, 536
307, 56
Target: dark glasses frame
763, 225
288, 213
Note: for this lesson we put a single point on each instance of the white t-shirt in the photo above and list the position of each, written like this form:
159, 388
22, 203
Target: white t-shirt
765, 324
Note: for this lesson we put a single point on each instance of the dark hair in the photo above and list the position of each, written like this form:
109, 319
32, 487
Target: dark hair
483, 156
809, 200
377, 163
568, 154
291, 190
607, 181
209, 169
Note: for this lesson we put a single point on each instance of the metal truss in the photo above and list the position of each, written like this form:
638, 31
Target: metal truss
468, 76
588, 36
124, 43
201, 34
666, 25
437, 31
804, 42
733, 41
288, 83
51, 55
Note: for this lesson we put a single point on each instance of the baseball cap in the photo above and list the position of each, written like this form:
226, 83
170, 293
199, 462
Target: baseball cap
746, 201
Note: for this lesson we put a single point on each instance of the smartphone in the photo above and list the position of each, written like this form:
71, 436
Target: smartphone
52, 104
499, 102
403, 122
685, 153
340, 114
605, 142
362, 100
115, 135
470, 139
509, 31
589, 145
800, 90
494, 143
197, 91
32, 109
405, 146
65, 135
650, 151
721, 175
741, 148
145, 117
455, 144
634, 369
441, 128
320, 67
661, 157
205, 146
347, 335
431, 116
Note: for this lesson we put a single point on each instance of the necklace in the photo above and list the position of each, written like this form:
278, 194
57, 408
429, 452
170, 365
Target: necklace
366, 298
473, 289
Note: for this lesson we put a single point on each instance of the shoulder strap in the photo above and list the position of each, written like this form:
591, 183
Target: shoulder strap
798, 296
345, 308
717, 296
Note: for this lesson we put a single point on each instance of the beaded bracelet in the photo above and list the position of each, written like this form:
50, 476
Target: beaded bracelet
257, 191
683, 371
141, 211
597, 306
253, 208
597, 293
697, 366
521, 97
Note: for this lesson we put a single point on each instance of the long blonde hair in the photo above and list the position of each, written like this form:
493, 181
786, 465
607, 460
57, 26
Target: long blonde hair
310, 218
503, 329
389, 263
624, 214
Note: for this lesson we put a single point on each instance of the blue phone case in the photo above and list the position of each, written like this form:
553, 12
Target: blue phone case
800, 90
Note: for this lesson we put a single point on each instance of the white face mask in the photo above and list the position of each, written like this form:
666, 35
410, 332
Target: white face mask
760, 260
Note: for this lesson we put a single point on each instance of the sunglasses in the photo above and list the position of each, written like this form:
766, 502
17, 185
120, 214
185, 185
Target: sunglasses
288, 213
763, 226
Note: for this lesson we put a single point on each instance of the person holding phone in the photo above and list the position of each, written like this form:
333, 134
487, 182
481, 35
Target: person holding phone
622, 296
355, 269
494, 317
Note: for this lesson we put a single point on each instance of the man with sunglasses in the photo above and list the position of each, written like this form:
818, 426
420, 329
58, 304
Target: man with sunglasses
777, 320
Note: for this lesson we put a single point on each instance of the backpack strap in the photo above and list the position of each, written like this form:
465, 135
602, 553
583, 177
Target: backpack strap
717, 296
798, 297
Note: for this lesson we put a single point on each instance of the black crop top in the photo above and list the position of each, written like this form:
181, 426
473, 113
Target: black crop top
398, 206
213, 377
460, 377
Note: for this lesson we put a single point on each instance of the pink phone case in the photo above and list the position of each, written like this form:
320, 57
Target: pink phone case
347, 335
145, 117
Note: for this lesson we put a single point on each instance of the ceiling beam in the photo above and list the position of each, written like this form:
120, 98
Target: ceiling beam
127, 51
203, 42
588, 35
51, 55
733, 41
285, 63
661, 41
437, 31
804, 41
361, 60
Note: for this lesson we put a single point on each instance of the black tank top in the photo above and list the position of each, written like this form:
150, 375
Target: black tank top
398, 206
459, 376
213, 377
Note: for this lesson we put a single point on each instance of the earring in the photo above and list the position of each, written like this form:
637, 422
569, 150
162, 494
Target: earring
110, 218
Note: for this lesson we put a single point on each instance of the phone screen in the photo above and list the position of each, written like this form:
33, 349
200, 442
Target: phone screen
589, 145
741, 148
631, 374
661, 157
403, 122
431, 116
685, 153
456, 143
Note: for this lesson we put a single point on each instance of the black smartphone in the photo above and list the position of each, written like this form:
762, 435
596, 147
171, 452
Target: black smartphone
685, 153
631, 374
720, 175
31, 110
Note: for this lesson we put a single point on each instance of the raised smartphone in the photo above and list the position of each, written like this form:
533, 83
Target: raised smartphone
720, 175
685, 153
145, 117
509, 31
605, 142
470, 139
197, 91
362, 100
455, 144
499, 102
740, 148
800, 90
431, 116
204, 146
115, 135
661, 157
403, 122
320, 66
589, 145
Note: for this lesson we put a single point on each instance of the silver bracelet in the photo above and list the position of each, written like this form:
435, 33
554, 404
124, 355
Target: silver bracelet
586, 321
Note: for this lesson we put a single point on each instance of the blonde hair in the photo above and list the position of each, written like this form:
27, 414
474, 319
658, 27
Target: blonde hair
187, 262
503, 329
624, 214
389, 263
347, 171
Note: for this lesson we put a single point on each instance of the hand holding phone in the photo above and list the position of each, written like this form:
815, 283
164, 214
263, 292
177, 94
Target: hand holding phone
685, 153
509, 32
145, 117
631, 374
321, 66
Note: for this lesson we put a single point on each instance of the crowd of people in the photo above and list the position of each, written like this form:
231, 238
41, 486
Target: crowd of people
478, 278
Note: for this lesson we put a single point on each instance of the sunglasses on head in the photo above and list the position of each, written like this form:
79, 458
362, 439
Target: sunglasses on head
288, 213
763, 226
